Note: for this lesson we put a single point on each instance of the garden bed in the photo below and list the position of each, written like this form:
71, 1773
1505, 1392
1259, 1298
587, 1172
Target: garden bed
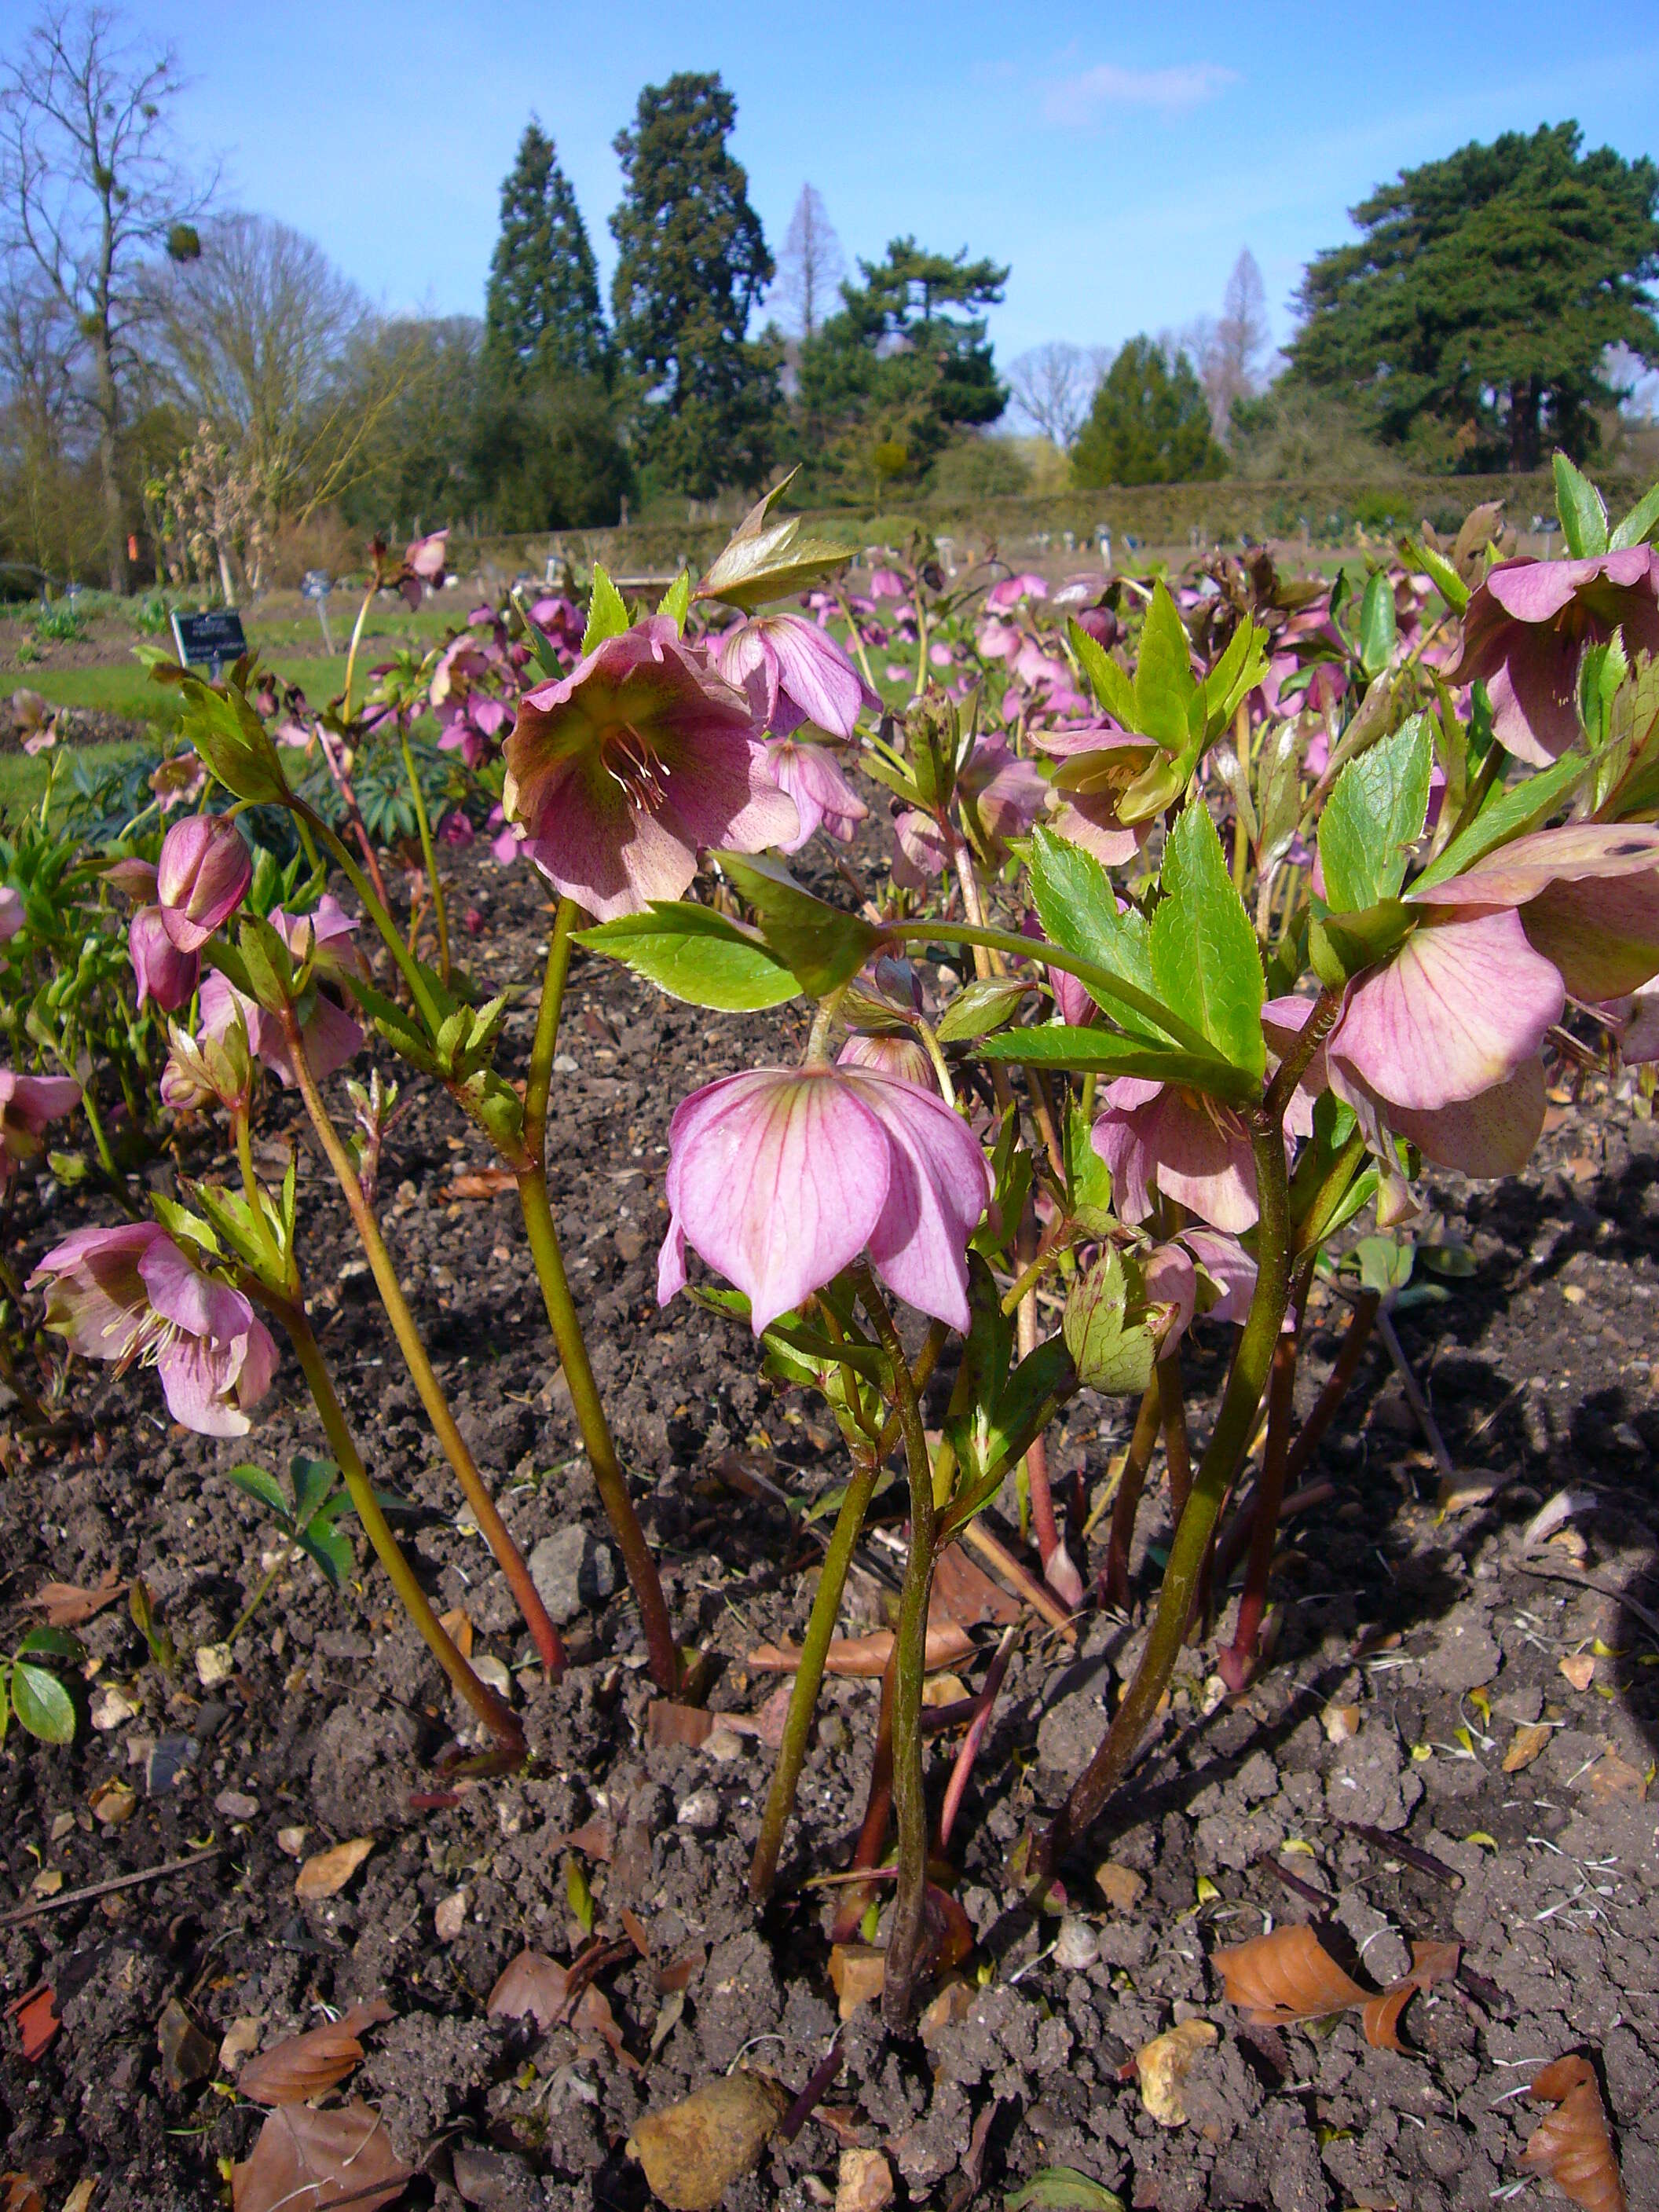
332, 1714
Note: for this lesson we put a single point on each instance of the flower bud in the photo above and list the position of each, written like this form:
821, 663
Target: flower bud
202, 877
165, 974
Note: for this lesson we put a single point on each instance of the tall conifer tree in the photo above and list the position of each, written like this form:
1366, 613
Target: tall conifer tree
541, 308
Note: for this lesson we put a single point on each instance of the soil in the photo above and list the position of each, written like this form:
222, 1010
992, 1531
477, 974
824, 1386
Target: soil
1439, 1628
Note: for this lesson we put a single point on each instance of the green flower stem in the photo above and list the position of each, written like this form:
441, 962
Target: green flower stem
907, 1926
1337, 1384
440, 919
809, 1675
262, 1591
1143, 1440
1178, 1449
496, 1715
566, 1324
357, 640
1237, 1663
1252, 1364
494, 1529
408, 966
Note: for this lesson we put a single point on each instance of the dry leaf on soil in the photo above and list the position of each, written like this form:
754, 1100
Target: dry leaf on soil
1163, 2064
1579, 1669
965, 1593
306, 2160
481, 1182
302, 2066
694, 2150
947, 1646
66, 1605
859, 1972
1573, 2146
36, 2014
671, 1726
1288, 1976
20, 2194
532, 1986
1612, 1777
328, 1872
595, 1840
1529, 1740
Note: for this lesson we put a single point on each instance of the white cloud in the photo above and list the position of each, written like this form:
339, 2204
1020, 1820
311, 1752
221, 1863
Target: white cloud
1096, 93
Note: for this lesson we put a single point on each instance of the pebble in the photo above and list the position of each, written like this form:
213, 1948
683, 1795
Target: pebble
1077, 1946
236, 1805
700, 1811
572, 1570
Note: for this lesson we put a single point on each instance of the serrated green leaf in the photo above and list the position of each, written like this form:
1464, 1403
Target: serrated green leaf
1522, 807
312, 1479
1582, 511
1112, 1347
607, 616
262, 1486
676, 601
1206, 964
1373, 818
1078, 910
824, 946
982, 1007
42, 1703
1062, 2189
1102, 1052
1165, 682
1111, 687
1446, 581
697, 956
1639, 524
766, 560
1376, 623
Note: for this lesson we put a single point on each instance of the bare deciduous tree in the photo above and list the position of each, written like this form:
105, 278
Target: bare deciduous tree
90, 190
262, 337
1231, 354
1054, 387
810, 265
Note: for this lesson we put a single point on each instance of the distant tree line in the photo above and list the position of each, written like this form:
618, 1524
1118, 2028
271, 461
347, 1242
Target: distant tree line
202, 385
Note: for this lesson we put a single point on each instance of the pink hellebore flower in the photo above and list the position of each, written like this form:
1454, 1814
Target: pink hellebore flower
1526, 628
11, 913
202, 877
919, 851
1012, 589
27, 1102
1171, 1273
1098, 762
164, 973
886, 584
904, 1057
620, 771
999, 640
130, 1294
781, 1177
424, 565
1009, 791
794, 672
330, 1035
810, 775
1163, 1137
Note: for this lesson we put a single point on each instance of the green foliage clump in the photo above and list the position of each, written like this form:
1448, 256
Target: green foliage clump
1150, 423
1472, 319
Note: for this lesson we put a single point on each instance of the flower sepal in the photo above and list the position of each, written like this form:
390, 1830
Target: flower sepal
1343, 945
765, 560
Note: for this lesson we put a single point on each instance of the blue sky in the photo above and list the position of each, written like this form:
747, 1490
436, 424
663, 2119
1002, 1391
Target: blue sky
1116, 157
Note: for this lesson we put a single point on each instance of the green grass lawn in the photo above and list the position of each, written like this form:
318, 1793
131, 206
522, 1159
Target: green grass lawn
23, 775
125, 688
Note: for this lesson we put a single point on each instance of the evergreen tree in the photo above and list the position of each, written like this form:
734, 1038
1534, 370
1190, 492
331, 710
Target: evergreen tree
1150, 423
542, 310
1473, 315
888, 380
692, 266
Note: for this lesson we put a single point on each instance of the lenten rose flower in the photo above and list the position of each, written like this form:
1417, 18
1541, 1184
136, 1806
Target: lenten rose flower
129, 1293
623, 769
1008, 791
1012, 589
424, 566
1162, 1137
201, 877
1526, 628
824, 799
330, 1034
164, 973
28, 1103
794, 672
11, 912
781, 1177
1099, 761
1587, 896
902, 1056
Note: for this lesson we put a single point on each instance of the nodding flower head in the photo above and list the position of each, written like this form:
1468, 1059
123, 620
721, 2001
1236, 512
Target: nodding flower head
621, 771
201, 877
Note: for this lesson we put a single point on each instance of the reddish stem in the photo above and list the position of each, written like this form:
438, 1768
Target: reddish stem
1115, 1576
873, 1836
1238, 1662
977, 1729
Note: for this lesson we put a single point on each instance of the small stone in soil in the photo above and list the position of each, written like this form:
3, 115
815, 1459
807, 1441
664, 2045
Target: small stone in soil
700, 1811
571, 1571
236, 1805
1077, 1946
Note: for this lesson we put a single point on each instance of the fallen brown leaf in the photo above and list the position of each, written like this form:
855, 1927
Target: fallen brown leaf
20, 2194
694, 2150
1573, 2146
66, 1605
458, 1627
530, 1986
186, 2054
596, 1840
1120, 1886
859, 1972
1579, 1669
36, 2014
327, 1873
962, 1592
669, 1725
81, 2196
593, 2016
481, 1182
306, 2160
1278, 1979
947, 1646
302, 2066
1612, 1777
1529, 1740
1163, 2064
